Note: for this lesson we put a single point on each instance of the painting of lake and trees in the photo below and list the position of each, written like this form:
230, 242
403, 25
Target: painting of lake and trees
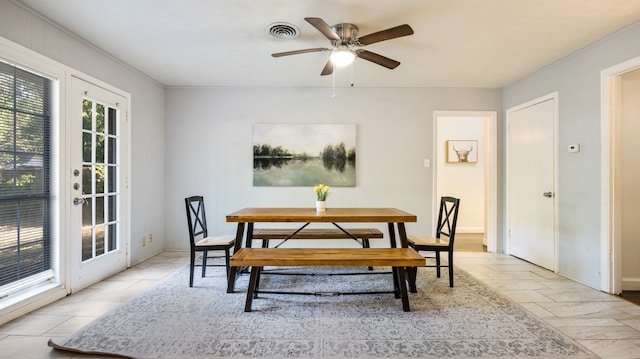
304, 155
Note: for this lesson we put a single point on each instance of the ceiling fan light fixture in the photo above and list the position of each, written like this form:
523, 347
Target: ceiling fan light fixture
342, 56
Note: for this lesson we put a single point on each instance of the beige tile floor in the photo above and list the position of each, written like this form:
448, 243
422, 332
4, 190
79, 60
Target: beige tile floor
606, 324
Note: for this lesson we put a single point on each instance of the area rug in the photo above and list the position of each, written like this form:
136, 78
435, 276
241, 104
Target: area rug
172, 320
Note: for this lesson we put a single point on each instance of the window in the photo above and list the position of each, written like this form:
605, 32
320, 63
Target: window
25, 235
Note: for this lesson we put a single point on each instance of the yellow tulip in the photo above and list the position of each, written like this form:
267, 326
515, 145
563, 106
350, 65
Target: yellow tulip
321, 191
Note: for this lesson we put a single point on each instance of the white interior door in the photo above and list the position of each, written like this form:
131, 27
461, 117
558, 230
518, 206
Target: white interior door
531, 178
98, 246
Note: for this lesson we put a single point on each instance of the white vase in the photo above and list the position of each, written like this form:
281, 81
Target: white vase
321, 206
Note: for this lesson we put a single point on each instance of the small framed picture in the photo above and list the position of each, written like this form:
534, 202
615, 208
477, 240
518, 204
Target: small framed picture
462, 151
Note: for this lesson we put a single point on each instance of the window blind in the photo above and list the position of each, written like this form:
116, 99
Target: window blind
25, 238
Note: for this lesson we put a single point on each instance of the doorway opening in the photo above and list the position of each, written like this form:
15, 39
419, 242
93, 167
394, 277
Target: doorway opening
475, 131
617, 192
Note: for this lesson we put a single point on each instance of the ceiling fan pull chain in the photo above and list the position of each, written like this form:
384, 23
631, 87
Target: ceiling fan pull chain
333, 76
352, 74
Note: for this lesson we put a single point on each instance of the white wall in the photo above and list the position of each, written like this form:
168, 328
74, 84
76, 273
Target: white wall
463, 180
577, 80
209, 148
147, 113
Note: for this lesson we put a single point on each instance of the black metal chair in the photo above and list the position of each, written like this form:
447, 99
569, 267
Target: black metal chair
445, 236
200, 240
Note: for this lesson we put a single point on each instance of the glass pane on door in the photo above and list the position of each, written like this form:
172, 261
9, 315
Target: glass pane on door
99, 183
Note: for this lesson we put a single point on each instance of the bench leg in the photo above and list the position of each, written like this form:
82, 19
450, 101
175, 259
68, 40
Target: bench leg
411, 277
403, 288
231, 280
396, 283
255, 272
257, 285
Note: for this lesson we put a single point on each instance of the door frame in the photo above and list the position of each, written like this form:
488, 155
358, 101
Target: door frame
491, 171
555, 97
610, 192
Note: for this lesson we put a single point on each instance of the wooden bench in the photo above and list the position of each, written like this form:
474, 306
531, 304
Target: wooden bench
265, 234
397, 258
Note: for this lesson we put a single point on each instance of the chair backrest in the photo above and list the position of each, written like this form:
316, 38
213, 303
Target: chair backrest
447, 219
196, 218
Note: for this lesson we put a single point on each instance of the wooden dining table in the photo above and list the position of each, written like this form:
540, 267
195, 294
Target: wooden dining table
247, 217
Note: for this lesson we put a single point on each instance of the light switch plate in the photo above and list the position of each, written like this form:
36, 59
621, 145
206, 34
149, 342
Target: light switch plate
574, 148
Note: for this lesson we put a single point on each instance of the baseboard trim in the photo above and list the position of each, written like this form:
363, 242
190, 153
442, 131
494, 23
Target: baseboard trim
469, 229
631, 284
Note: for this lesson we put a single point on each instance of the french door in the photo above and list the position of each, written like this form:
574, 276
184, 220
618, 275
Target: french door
98, 220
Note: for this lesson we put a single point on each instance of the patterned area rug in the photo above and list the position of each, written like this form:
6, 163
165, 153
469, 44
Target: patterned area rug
172, 320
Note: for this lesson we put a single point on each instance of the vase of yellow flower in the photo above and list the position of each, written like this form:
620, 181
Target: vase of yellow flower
322, 192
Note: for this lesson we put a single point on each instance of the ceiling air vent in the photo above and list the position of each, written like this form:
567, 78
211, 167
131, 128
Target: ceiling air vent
283, 31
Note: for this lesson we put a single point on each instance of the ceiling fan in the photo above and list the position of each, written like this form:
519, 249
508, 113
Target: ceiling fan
344, 38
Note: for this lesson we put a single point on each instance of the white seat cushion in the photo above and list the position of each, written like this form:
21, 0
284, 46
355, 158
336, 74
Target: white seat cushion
216, 240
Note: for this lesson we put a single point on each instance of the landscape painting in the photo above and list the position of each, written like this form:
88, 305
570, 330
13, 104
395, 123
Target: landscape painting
304, 155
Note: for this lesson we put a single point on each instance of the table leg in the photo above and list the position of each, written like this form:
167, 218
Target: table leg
231, 280
239, 235
366, 244
249, 236
392, 235
392, 243
403, 235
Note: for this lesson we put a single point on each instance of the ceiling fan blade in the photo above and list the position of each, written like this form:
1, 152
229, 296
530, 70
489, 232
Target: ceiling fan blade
388, 34
296, 52
377, 59
328, 69
323, 27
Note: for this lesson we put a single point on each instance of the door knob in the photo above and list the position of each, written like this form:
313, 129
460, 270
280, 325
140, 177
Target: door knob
548, 194
78, 200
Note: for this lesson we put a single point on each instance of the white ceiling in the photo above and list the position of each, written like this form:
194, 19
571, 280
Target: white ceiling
457, 43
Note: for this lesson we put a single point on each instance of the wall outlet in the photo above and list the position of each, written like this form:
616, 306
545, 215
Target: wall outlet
144, 241
150, 237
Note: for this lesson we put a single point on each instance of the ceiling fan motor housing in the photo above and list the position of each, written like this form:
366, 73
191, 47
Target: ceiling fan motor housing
348, 34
